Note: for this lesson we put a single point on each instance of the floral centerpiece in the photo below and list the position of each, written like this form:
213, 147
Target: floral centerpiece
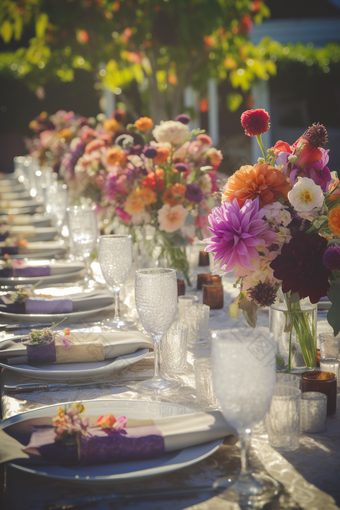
53, 135
278, 228
163, 176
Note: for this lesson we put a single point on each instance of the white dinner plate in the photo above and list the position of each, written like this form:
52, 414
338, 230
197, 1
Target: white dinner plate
78, 371
30, 280
52, 317
120, 471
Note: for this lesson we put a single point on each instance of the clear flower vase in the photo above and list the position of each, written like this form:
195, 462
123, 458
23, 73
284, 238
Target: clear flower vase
294, 325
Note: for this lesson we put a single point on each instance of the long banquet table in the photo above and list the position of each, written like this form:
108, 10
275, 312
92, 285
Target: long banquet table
310, 475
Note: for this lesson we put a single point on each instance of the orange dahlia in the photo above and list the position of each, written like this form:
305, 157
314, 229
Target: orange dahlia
169, 198
144, 123
334, 220
116, 157
178, 189
162, 155
262, 180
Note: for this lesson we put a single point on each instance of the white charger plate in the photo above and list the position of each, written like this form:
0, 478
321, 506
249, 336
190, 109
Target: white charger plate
31, 280
52, 317
77, 371
120, 471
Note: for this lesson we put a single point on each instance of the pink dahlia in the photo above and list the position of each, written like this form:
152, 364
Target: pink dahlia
237, 231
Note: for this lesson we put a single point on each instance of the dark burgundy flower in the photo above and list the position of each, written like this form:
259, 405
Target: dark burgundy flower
255, 122
316, 135
150, 152
300, 266
185, 119
182, 167
119, 115
264, 294
193, 193
331, 258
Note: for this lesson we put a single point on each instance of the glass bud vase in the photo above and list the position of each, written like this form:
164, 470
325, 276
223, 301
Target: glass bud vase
293, 324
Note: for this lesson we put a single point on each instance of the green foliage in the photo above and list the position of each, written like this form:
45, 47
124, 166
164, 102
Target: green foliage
161, 45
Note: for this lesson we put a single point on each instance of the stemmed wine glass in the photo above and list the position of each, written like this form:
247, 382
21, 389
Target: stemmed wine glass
243, 366
83, 228
115, 259
56, 199
156, 303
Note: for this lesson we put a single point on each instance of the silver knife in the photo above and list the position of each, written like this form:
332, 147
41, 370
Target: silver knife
12, 388
154, 494
11, 327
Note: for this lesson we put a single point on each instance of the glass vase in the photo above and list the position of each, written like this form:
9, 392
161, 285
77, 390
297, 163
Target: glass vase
293, 324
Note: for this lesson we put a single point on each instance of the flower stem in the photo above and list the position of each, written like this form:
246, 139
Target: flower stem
259, 141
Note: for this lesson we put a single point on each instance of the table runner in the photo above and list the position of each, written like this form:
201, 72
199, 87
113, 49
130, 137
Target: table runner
316, 462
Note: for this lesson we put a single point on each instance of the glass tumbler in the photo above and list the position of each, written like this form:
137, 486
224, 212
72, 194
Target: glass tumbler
313, 412
174, 349
283, 418
197, 319
183, 303
205, 393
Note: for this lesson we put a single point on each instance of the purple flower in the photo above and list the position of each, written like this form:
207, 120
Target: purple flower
150, 152
193, 193
182, 167
331, 258
237, 232
185, 119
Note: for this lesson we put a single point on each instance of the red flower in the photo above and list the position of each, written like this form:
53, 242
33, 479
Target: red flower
300, 266
255, 122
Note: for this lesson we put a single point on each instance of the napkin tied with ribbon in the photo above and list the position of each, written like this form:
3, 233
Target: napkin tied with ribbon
142, 439
83, 347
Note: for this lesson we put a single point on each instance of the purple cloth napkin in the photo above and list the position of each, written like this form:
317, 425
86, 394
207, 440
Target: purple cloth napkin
41, 353
99, 446
26, 271
36, 305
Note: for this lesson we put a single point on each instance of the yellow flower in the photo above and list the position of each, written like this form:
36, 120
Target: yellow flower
111, 125
65, 133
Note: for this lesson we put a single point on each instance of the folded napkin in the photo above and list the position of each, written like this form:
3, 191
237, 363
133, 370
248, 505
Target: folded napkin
23, 219
83, 347
142, 439
36, 269
56, 305
17, 204
14, 195
31, 247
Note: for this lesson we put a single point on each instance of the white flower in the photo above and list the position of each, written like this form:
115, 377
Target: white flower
171, 131
278, 213
306, 195
205, 183
141, 218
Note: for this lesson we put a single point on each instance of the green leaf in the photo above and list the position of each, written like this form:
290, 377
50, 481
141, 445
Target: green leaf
41, 25
279, 361
6, 31
234, 311
18, 25
249, 309
234, 100
333, 315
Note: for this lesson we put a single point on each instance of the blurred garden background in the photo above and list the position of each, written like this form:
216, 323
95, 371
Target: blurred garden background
211, 59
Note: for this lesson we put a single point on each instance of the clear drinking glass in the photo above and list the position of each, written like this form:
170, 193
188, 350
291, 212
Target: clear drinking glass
243, 365
83, 228
115, 259
56, 199
174, 349
156, 303
283, 419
